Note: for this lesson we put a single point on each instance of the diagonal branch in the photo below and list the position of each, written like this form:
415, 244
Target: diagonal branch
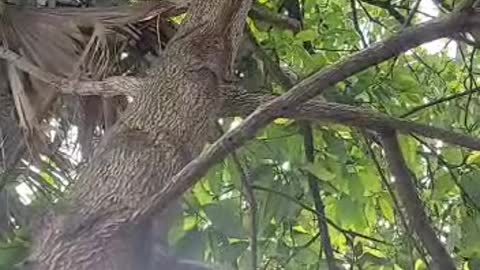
412, 203
388, 7
308, 88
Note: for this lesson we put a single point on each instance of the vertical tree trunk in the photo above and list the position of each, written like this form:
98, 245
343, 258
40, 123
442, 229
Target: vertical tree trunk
162, 130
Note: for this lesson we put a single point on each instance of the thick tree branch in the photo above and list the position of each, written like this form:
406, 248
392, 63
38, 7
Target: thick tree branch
413, 205
308, 88
242, 104
112, 86
278, 20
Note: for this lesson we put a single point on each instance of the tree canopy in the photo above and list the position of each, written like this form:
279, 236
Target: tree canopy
290, 180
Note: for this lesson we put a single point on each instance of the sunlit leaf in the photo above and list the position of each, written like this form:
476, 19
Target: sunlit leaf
387, 208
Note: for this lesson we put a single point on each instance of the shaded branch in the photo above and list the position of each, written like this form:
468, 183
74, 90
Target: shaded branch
329, 112
388, 7
412, 13
278, 20
412, 203
308, 143
356, 25
246, 178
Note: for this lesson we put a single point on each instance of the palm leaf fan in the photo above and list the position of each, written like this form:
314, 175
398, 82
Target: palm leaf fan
65, 42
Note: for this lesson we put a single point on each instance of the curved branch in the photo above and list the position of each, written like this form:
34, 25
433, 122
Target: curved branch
413, 204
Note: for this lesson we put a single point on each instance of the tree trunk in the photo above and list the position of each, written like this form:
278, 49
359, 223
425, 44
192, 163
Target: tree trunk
161, 131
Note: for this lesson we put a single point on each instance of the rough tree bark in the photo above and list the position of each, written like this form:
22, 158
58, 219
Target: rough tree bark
168, 124
161, 131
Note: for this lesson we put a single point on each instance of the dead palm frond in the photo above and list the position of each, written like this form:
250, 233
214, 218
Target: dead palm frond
74, 44
71, 43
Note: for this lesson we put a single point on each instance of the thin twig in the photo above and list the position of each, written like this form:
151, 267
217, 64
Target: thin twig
388, 7
327, 220
356, 25
412, 13
439, 101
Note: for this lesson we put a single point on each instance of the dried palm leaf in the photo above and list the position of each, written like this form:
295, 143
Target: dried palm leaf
66, 41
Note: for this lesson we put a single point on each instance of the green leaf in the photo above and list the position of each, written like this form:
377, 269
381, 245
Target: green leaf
12, 253
320, 172
470, 244
306, 35
350, 213
387, 208
356, 188
370, 212
474, 158
409, 150
420, 265
471, 184
442, 186
225, 217
232, 252
370, 180
192, 245
474, 263
453, 155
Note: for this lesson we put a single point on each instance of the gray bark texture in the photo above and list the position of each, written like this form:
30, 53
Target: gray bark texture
165, 127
